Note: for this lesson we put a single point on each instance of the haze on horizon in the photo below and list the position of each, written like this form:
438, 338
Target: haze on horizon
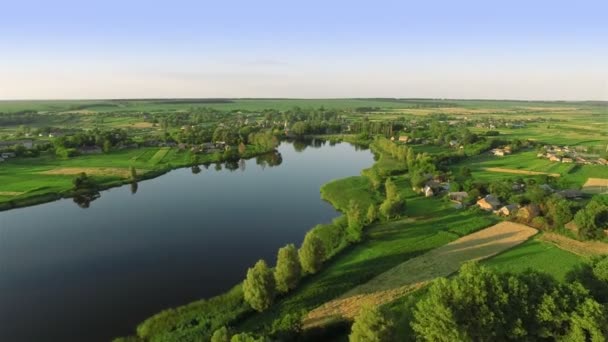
546, 50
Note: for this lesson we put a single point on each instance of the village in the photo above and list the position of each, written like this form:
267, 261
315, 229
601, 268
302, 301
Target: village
565, 154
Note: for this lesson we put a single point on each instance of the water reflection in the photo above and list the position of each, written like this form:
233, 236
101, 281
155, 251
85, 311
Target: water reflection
84, 200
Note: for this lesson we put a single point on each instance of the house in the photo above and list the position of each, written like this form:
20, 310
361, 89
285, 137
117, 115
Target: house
7, 155
488, 203
453, 143
507, 210
89, 150
498, 152
404, 139
553, 157
428, 191
567, 160
1, 160
459, 196
571, 194
182, 146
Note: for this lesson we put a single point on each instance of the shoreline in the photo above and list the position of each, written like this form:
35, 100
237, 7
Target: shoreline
71, 193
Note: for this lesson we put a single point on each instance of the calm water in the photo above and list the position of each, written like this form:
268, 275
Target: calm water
74, 274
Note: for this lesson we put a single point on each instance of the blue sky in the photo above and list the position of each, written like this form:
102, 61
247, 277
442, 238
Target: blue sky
451, 49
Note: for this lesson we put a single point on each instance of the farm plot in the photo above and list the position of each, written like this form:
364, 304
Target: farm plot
596, 185
414, 273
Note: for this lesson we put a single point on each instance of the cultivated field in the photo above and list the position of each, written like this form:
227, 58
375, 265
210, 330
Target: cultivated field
596, 185
413, 273
583, 248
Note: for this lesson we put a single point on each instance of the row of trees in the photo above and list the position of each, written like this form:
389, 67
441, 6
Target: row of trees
262, 284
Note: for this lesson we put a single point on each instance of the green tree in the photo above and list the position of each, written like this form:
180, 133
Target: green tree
312, 253
133, 173
371, 325
481, 305
246, 337
300, 128
355, 222
221, 335
558, 209
391, 189
372, 213
259, 286
288, 271
392, 208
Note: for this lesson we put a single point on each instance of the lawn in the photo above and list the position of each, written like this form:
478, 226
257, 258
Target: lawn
537, 255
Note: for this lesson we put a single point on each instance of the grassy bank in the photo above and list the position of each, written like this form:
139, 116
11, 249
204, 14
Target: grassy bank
30, 181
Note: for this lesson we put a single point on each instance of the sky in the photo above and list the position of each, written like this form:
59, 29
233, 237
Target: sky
545, 50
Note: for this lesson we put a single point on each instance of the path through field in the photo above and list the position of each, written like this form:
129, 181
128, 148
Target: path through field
415, 273
520, 172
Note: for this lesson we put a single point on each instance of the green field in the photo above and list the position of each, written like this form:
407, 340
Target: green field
536, 255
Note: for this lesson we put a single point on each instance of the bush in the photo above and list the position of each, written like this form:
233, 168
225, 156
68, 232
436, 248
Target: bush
371, 325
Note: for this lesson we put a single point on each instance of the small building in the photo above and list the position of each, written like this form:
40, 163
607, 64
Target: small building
489, 202
567, 160
507, 210
7, 155
1, 160
428, 191
553, 157
459, 196
404, 139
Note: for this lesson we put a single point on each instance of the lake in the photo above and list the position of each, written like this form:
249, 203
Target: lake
69, 273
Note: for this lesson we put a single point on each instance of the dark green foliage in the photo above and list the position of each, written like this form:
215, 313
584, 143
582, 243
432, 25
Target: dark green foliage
558, 211
592, 219
392, 208
480, 305
288, 327
371, 325
259, 286
355, 222
372, 214
83, 182
221, 335
312, 253
288, 271
246, 337
196, 321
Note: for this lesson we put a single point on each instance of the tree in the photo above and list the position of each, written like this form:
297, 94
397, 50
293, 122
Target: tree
259, 286
312, 253
221, 335
288, 271
371, 325
558, 209
355, 222
246, 337
133, 173
372, 213
481, 305
392, 208
391, 189
300, 128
